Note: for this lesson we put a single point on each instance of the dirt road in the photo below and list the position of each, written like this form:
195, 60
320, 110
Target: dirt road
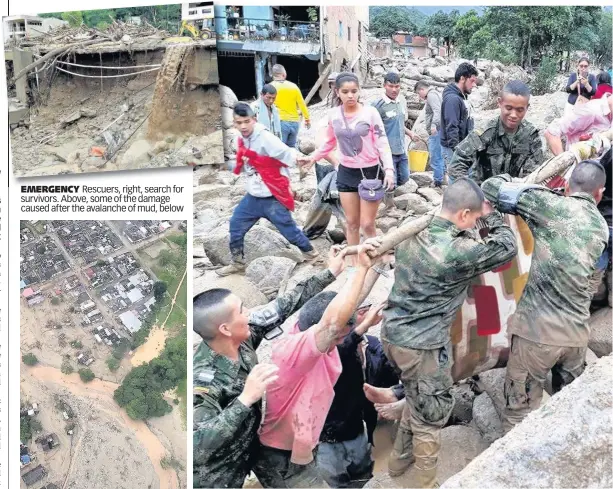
103, 391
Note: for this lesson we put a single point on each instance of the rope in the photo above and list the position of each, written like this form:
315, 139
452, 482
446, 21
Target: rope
108, 67
106, 76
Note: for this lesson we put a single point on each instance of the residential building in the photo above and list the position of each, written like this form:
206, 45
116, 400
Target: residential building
21, 26
308, 41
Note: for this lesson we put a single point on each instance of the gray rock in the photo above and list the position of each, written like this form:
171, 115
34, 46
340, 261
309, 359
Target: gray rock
565, 443
227, 117
431, 195
422, 179
386, 223
601, 331
306, 146
137, 155
410, 187
249, 293
305, 194
269, 272
486, 418
412, 202
259, 241
227, 97
92, 163
209, 192
492, 382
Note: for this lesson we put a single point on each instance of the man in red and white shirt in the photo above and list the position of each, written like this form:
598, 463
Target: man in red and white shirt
584, 120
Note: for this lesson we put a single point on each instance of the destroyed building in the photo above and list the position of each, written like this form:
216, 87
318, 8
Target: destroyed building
310, 42
31, 477
81, 99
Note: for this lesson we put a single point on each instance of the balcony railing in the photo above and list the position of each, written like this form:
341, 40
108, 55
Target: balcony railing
243, 29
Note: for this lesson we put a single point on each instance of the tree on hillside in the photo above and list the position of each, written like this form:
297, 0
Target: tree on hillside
465, 26
29, 359
441, 26
159, 289
74, 19
389, 20
86, 375
602, 49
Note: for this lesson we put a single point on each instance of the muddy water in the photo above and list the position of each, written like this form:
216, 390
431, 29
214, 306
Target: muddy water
103, 390
151, 348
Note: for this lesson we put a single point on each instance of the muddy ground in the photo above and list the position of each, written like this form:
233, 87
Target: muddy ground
148, 135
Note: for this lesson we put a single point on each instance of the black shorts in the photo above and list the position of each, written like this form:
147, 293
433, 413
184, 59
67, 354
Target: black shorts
348, 179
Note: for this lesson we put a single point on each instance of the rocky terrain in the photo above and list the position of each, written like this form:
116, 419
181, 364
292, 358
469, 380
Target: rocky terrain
275, 266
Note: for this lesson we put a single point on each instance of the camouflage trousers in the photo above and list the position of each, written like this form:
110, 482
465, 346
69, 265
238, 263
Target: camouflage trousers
426, 376
527, 369
273, 468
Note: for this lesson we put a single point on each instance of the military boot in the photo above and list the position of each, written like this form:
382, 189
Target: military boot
426, 478
238, 265
401, 456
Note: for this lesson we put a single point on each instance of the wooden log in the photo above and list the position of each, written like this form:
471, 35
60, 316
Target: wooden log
555, 166
318, 83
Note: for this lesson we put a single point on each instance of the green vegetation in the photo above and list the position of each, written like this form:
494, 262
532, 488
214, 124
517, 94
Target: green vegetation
86, 375
159, 289
545, 77
76, 344
120, 350
27, 427
171, 463
67, 368
141, 392
162, 16
519, 34
29, 359
112, 363
55, 301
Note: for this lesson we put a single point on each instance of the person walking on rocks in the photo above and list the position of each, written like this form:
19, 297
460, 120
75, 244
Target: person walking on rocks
508, 144
392, 108
433, 271
298, 402
360, 135
433, 101
456, 118
549, 329
229, 383
291, 106
266, 111
265, 161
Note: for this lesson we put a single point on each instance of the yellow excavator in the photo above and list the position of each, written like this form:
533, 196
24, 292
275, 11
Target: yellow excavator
203, 33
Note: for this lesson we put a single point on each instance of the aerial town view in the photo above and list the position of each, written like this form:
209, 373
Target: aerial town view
103, 348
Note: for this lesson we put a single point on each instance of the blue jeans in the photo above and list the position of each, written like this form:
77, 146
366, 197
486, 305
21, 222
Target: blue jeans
603, 261
346, 463
401, 164
447, 155
289, 133
436, 157
251, 209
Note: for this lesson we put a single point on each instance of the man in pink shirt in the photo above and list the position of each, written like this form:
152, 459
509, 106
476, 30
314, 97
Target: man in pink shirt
584, 120
298, 402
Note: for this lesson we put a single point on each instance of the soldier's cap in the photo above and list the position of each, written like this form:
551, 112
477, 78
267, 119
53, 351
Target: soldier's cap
313, 310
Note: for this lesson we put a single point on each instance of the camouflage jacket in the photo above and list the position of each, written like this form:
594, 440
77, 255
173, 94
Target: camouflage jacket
433, 272
569, 237
495, 152
224, 429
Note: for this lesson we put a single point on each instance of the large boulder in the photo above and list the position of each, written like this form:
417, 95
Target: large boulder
227, 97
442, 74
565, 443
412, 202
601, 331
248, 292
269, 272
137, 155
422, 179
492, 382
227, 117
410, 187
431, 195
259, 241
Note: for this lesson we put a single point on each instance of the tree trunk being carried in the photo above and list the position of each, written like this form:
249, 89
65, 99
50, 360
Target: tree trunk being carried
555, 166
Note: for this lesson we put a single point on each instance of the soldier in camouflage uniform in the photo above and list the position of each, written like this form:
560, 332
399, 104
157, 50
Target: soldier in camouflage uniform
508, 144
550, 329
228, 383
433, 272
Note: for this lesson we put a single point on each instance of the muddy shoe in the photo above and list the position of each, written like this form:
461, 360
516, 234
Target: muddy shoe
311, 256
234, 267
401, 457
426, 478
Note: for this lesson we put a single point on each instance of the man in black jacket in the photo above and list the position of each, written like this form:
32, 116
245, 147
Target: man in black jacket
456, 120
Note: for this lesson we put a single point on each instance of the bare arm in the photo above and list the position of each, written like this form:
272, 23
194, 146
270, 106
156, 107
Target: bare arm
554, 142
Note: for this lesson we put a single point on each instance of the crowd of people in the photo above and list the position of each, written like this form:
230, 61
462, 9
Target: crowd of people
328, 380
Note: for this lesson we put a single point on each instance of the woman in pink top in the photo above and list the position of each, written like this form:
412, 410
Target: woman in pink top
358, 132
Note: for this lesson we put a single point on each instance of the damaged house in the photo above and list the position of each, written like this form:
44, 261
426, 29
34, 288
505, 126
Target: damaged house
130, 96
310, 42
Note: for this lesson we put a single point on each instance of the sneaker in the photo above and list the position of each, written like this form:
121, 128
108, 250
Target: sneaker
437, 184
234, 267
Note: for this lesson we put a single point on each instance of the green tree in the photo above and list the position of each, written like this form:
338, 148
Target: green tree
112, 363
86, 375
76, 344
29, 359
545, 77
159, 289
67, 368
441, 26
55, 301
602, 49
74, 19
389, 20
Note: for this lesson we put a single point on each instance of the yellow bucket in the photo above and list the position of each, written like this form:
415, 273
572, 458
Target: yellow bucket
418, 160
